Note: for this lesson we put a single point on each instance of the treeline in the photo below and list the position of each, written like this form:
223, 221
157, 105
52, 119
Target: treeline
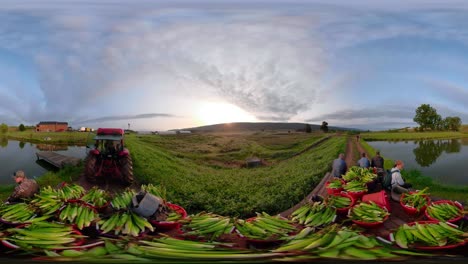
4, 128
428, 118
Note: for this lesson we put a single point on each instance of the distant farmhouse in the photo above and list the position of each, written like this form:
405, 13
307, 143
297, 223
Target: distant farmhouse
51, 126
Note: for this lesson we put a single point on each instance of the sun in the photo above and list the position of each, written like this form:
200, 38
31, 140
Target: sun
211, 113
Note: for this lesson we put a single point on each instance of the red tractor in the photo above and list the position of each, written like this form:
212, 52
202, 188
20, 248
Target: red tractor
108, 158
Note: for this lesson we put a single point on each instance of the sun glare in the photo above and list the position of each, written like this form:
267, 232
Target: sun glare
214, 113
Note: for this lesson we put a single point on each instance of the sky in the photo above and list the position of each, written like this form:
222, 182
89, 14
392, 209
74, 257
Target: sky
160, 65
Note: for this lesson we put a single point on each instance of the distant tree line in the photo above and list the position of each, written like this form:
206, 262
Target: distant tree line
4, 128
428, 118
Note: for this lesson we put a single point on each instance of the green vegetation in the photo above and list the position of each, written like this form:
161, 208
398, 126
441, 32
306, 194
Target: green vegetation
78, 138
231, 191
411, 135
420, 182
427, 117
3, 128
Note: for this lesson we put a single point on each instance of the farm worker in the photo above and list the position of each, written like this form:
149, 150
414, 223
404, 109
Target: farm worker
377, 161
396, 175
364, 162
26, 187
339, 166
110, 146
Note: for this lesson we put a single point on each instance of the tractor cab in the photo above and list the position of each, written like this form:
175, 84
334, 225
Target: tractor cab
108, 141
108, 158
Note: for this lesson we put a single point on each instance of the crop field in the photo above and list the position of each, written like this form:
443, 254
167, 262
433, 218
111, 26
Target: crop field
412, 135
205, 173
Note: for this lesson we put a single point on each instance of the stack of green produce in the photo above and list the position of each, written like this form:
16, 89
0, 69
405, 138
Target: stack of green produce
264, 227
79, 214
428, 234
359, 174
314, 214
166, 248
335, 184
207, 225
70, 192
416, 200
47, 200
43, 235
16, 213
338, 243
368, 212
96, 197
338, 202
123, 200
126, 223
443, 211
355, 186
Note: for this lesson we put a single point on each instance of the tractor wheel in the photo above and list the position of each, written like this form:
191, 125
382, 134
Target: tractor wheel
90, 165
127, 170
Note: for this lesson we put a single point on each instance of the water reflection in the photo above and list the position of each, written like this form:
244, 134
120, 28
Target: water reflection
3, 142
48, 147
428, 151
15, 155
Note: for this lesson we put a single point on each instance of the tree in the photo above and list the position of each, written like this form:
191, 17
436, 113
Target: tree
308, 128
3, 128
324, 127
21, 127
452, 123
427, 117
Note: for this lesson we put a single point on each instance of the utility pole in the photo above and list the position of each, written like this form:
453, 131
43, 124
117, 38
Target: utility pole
128, 126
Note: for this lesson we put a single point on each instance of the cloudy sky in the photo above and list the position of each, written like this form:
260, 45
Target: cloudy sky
178, 64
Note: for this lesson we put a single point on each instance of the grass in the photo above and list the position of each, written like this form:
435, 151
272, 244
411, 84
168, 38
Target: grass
72, 137
232, 191
412, 135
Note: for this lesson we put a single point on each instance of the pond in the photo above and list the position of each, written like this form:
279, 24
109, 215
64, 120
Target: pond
18, 155
446, 161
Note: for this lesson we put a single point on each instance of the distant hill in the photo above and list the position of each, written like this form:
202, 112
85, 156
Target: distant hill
258, 126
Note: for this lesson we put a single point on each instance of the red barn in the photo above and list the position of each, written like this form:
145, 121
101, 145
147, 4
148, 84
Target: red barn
51, 126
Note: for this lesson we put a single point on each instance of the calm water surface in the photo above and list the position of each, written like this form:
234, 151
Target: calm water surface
17, 155
446, 161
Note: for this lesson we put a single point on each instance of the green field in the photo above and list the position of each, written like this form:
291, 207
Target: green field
197, 185
412, 135
207, 172
76, 138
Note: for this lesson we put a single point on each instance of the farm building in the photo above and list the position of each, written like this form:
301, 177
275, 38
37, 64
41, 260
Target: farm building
51, 126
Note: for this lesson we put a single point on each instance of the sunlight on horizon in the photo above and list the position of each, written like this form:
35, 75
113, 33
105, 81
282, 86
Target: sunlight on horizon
210, 113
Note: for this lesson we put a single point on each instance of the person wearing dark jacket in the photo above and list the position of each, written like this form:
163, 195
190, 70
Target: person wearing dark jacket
377, 161
339, 166
26, 187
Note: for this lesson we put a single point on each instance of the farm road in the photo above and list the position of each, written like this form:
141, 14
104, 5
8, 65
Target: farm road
352, 146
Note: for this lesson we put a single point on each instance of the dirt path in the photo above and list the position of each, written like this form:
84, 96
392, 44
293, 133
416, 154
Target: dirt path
352, 147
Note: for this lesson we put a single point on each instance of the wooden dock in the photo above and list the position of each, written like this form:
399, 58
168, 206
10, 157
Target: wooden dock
57, 160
